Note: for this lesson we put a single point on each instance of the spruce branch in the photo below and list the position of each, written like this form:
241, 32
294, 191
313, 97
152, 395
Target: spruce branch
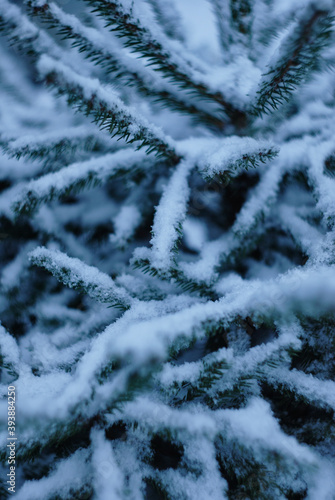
93, 46
298, 56
177, 275
137, 37
86, 279
50, 148
79, 176
169, 216
244, 235
302, 386
211, 372
89, 97
235, 154
235, 368
23, 34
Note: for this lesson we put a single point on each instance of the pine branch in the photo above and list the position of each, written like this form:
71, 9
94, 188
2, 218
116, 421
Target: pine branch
93, 45
79, 176
297, 56
88, 96
137, 37
86, 279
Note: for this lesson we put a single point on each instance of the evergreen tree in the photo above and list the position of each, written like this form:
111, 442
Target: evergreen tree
167, 210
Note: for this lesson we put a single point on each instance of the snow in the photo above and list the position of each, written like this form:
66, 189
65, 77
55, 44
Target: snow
93, 171
293, 155
319, 391
9, 349
307, 15
13, 272
72, 273
53, 137
165, 13
70, 473
232, 150
215, 351
255, 426
91, 87
199, 455
169, 214
195, 233
107, 475
112, 48
125, 224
